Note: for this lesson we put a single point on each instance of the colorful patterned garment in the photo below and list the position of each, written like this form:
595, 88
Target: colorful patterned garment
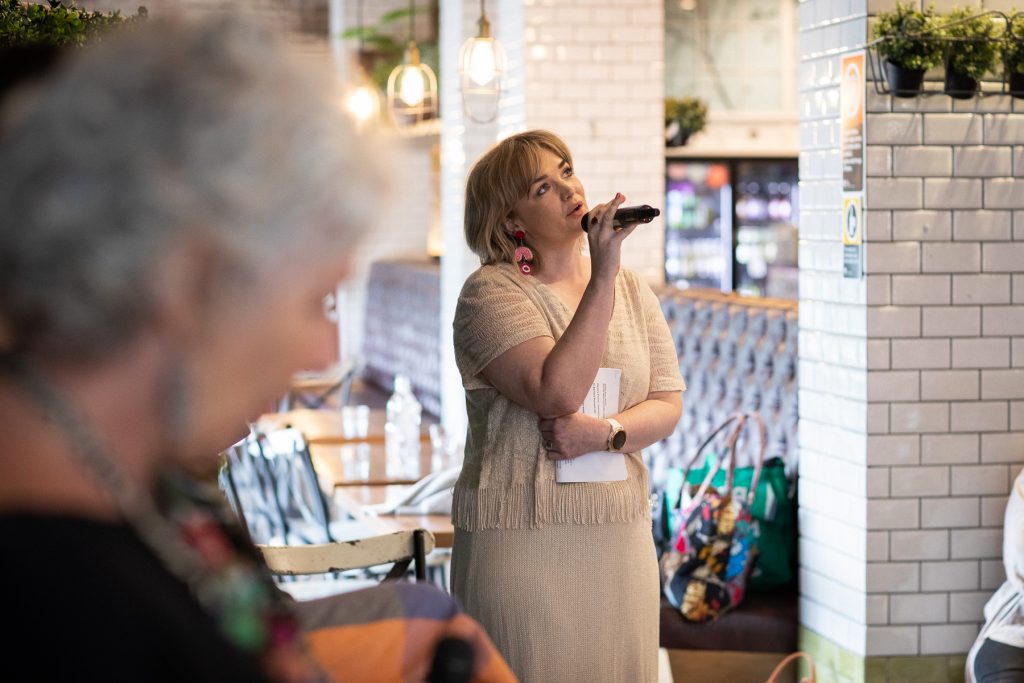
390, 633
385, 633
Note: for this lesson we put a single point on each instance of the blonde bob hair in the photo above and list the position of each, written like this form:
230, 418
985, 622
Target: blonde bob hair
500, 178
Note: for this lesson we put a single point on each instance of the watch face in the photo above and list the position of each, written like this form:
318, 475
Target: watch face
619, 439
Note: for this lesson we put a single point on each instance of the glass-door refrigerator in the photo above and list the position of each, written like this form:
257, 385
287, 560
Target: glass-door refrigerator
731, 225
698, 224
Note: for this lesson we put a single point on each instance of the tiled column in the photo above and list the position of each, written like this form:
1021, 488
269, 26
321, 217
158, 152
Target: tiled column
590, 72
904, 477
832, 374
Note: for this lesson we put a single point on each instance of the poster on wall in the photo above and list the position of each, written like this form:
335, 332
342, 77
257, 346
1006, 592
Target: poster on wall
851, 104
851, 147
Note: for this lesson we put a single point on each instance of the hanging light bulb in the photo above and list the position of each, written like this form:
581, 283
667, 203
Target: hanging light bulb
412, 86
363, 103
361, 97
482, 61
481, 66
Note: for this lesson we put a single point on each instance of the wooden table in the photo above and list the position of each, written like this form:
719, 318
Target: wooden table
354, 498
346, 460
361, 464
357, 468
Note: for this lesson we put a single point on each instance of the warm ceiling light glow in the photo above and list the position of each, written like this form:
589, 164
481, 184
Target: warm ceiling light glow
363, 103
410, 85
482, 61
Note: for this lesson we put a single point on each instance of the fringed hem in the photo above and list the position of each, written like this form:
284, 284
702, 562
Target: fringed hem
532, 506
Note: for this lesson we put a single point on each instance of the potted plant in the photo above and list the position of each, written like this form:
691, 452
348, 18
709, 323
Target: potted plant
906, 47
971, 51
683, 118
1013, 54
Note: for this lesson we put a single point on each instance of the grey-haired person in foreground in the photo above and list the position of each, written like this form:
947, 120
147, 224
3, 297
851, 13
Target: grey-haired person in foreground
175, 203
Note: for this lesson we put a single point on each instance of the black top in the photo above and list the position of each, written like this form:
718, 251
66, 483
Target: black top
86, 600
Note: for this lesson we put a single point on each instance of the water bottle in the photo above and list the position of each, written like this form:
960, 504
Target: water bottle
402, 429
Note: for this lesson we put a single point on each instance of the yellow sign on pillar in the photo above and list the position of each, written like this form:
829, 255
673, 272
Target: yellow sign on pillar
853, 236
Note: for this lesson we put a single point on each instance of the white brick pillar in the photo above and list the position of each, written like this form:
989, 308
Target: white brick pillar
912, 379
591, 74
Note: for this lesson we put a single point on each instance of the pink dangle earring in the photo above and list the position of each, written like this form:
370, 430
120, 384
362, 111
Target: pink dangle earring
523, 256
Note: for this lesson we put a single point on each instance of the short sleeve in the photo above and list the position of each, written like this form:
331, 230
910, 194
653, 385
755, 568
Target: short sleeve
493, 315
664, 360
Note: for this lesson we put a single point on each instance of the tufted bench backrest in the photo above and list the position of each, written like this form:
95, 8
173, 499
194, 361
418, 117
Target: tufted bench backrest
735, 353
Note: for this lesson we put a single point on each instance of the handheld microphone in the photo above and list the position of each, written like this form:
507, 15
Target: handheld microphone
627, 215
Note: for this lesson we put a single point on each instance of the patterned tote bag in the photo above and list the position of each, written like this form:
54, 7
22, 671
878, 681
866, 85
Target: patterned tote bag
705, 572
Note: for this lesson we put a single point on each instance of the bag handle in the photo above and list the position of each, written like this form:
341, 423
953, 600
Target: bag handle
762, 434
741, 420
730, 448
777, 671
695, 458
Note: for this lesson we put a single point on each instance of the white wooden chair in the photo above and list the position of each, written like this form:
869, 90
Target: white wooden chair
401, 548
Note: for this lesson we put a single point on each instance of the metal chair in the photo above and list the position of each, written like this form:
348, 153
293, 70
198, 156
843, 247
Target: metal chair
272, 486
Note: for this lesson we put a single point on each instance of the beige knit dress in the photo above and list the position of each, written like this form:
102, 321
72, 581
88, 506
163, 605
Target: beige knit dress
563, 576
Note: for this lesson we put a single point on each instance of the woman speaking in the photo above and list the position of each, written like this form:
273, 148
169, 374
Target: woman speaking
561, 573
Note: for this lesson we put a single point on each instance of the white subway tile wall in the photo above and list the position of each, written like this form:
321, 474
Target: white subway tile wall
937, 327
595, 76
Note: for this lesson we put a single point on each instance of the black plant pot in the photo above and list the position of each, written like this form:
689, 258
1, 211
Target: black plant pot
1017, 85
675, 136
959, 85
903, 82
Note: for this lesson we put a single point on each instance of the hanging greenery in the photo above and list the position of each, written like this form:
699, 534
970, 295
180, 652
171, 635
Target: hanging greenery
55, 23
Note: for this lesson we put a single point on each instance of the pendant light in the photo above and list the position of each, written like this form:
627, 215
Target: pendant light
481, 65
362, 99
412, 86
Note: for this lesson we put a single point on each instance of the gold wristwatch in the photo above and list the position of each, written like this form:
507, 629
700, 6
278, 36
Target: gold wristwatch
617, 435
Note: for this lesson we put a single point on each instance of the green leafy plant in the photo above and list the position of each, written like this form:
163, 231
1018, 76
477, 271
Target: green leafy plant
1013, 45
906, 43
56, 23
382, 45
690, 114
972, 48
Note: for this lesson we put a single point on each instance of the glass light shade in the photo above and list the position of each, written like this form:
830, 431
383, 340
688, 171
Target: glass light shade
482, 63
412, 90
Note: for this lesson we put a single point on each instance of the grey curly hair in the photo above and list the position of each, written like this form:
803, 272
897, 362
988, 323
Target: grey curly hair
173, 125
